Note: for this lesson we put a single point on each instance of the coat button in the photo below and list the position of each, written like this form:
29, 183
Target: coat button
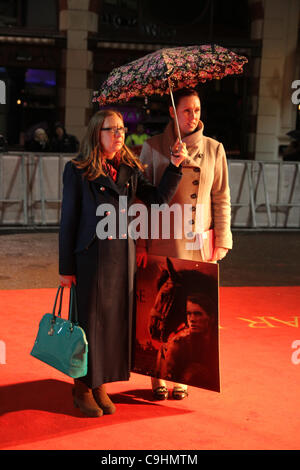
195, 182
190, 234
193, 209
197, 170
102, 188
193, 196
191, 222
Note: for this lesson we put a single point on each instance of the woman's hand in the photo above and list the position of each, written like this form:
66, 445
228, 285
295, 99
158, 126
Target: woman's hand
219, 253
178, 152
67, 281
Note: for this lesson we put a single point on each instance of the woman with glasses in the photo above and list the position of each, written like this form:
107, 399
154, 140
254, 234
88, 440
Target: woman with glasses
101, 263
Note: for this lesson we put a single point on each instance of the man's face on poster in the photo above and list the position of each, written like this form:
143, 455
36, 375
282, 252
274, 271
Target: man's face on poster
197, 318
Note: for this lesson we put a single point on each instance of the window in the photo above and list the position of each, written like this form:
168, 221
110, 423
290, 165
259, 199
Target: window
29, 13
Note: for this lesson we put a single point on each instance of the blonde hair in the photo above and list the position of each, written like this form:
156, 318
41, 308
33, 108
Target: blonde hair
90, 155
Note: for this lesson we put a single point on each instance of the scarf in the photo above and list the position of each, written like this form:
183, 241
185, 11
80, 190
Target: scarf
111, 167
194, 143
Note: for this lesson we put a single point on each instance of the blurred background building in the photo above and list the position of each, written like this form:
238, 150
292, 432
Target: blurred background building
55, 53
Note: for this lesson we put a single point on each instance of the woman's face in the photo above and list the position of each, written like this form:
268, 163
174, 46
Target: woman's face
188, 113
112, 135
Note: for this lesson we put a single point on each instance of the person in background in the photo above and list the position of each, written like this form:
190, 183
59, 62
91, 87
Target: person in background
103, 267
63, 142
204, 187
292, 152
40, 142
138, 137
3, 143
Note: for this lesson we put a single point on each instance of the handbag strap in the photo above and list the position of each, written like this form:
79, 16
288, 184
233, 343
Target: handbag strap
59, 290
73, 305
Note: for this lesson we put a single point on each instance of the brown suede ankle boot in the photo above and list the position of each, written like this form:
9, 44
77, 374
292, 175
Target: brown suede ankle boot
103, 400
84, 400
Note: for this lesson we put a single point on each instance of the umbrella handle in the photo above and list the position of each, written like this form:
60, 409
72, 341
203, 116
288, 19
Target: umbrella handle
175, 114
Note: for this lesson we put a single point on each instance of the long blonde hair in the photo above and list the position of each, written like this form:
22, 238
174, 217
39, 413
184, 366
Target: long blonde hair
90, 155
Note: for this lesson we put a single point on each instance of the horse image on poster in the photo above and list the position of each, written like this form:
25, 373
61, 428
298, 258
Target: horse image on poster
177, 333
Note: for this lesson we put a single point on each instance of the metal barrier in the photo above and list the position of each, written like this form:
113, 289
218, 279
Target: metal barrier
31, 189
13, 195
264, 195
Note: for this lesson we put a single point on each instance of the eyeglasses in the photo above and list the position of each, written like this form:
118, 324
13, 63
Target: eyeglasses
115, 130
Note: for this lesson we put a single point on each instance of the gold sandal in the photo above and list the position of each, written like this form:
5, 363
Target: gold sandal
160, 393
179, 393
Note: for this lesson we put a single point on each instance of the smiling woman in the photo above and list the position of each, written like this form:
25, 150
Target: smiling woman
205, 186
188, 111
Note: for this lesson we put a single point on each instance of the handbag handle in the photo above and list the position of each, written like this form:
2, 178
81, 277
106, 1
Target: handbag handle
60, 289
73, 305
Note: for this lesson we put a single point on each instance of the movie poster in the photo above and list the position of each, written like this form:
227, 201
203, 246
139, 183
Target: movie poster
177, 334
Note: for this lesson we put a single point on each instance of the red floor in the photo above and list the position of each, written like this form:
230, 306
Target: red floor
258, 407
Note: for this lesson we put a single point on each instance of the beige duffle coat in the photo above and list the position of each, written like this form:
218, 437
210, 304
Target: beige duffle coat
204, 189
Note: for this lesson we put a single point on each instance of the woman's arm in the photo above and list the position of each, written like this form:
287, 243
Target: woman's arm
179, 153
165, 191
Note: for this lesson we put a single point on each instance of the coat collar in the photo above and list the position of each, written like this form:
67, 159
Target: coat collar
124, 174
194, 143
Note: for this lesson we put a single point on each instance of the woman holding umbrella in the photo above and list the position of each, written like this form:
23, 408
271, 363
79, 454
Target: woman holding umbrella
204, 187
103, 268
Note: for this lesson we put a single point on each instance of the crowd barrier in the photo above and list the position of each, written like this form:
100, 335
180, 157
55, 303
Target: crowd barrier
264, 195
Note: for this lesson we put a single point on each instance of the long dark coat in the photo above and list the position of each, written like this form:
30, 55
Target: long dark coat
105, 268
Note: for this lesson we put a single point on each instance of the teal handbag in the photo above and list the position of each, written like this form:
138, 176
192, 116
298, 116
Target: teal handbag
62, 343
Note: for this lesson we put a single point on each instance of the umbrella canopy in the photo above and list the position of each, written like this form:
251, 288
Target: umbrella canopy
177, 67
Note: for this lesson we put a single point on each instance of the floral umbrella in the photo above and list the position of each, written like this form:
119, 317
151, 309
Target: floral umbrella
167, 69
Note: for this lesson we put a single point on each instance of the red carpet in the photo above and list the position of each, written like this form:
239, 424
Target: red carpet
258, 407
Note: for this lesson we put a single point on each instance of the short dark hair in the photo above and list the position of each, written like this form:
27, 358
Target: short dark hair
182, 93
205, 302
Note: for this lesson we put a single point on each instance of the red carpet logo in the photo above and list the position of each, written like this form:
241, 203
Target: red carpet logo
270, 322
2, 352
